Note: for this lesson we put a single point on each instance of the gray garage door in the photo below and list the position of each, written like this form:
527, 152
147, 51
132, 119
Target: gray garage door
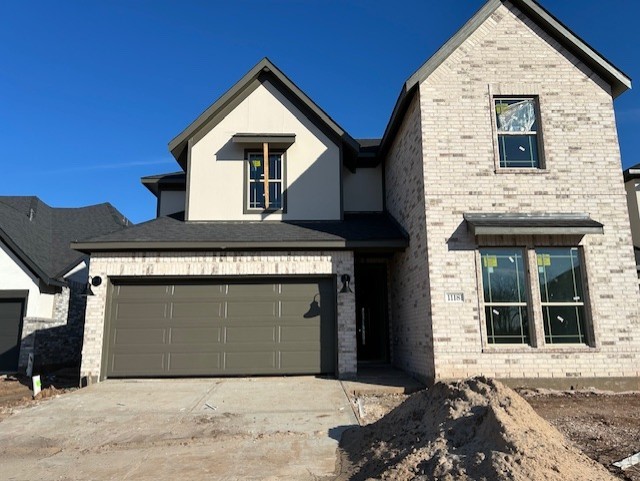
10, 328
232, 328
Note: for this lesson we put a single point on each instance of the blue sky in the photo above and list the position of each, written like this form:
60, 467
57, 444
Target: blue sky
92, 92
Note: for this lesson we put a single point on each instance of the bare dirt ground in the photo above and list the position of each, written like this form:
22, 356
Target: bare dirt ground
16, 393
603, 425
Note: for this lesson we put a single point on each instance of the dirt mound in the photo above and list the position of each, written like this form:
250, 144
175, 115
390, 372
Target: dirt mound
477, 429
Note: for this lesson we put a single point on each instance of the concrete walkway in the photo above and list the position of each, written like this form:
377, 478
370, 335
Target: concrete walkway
214, 429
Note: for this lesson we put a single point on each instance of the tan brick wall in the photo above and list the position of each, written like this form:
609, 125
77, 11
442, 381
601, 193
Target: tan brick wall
217, 264
510, 56
411, 339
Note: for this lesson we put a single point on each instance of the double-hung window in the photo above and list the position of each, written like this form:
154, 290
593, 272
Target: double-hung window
517, 129
563, 311
256, 199
504, 280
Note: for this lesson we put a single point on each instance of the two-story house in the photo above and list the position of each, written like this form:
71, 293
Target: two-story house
485, 233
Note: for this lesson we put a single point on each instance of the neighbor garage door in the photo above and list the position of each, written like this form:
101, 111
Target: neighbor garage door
276, 326
10, 329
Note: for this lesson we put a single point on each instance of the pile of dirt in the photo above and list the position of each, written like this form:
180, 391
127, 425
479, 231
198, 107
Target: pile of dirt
477, 429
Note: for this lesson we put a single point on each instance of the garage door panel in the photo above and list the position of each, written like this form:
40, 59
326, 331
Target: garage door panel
197, 310
249, 308
232, 328
252, 361
141, 291
198, 291
141, 310
300, 360
194, 363
137, 364
254, 334
195, 335
245, 291
136, 336
298, 334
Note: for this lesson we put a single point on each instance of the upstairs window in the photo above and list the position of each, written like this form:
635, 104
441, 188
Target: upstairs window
258, 178
517, 128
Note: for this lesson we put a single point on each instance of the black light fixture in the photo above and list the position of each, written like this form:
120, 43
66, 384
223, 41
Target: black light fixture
94, 281
346, 279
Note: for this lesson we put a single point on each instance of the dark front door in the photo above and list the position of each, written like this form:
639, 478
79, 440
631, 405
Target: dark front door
10, 330
371, 312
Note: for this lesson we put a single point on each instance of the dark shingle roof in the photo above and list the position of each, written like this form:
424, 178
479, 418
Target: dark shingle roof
172, 180
40, 235
530, 224
166, 233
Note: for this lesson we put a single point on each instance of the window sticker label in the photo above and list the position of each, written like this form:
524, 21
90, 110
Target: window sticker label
490, 261
256, 163
544, 260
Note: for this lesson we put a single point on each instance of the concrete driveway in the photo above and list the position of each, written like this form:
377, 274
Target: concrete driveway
222, 429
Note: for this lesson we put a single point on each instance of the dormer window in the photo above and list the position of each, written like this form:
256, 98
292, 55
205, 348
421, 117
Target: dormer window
263, 178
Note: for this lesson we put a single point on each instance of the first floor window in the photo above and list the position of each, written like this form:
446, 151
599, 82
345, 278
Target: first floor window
256, 181
560, 277
505, 296
509, 311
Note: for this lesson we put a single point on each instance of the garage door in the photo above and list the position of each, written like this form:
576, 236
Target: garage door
10, 329
232, 328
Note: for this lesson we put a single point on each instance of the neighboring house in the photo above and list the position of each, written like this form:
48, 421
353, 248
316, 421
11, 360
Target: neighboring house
42, 280
632, 186
485, 233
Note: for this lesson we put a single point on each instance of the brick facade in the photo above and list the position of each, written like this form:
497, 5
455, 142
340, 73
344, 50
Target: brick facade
55, 341
509, 55
218, 264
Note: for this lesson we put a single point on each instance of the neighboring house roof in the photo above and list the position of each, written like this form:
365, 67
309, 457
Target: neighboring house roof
618, 80
173, 180
39, 235
263, 70
363, 231
632, 172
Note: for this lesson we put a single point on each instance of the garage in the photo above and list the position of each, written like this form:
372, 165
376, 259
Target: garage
213, 327
11, 311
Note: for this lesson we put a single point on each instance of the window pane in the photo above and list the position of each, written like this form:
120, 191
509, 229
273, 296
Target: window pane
275, 166
518, 150
560, 275
256, 195
256, 166
503, 275
507, 324
564, 324
516, 115
275, 195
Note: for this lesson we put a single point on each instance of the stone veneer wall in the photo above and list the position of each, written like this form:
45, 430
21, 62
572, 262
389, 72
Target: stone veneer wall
55, 341
410, 306
173, 264
509, 55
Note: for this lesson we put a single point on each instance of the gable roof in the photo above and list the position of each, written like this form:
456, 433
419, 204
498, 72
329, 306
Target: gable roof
632, 172
618, 80
39, 235
263, 70
362, 231
173, 180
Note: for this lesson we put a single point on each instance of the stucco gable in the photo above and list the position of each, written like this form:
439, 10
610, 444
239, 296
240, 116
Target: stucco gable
263, 71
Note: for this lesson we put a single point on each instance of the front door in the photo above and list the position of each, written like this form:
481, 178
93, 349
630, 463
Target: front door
371, 312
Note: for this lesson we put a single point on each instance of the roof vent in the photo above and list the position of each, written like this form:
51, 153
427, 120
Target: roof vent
32, 213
